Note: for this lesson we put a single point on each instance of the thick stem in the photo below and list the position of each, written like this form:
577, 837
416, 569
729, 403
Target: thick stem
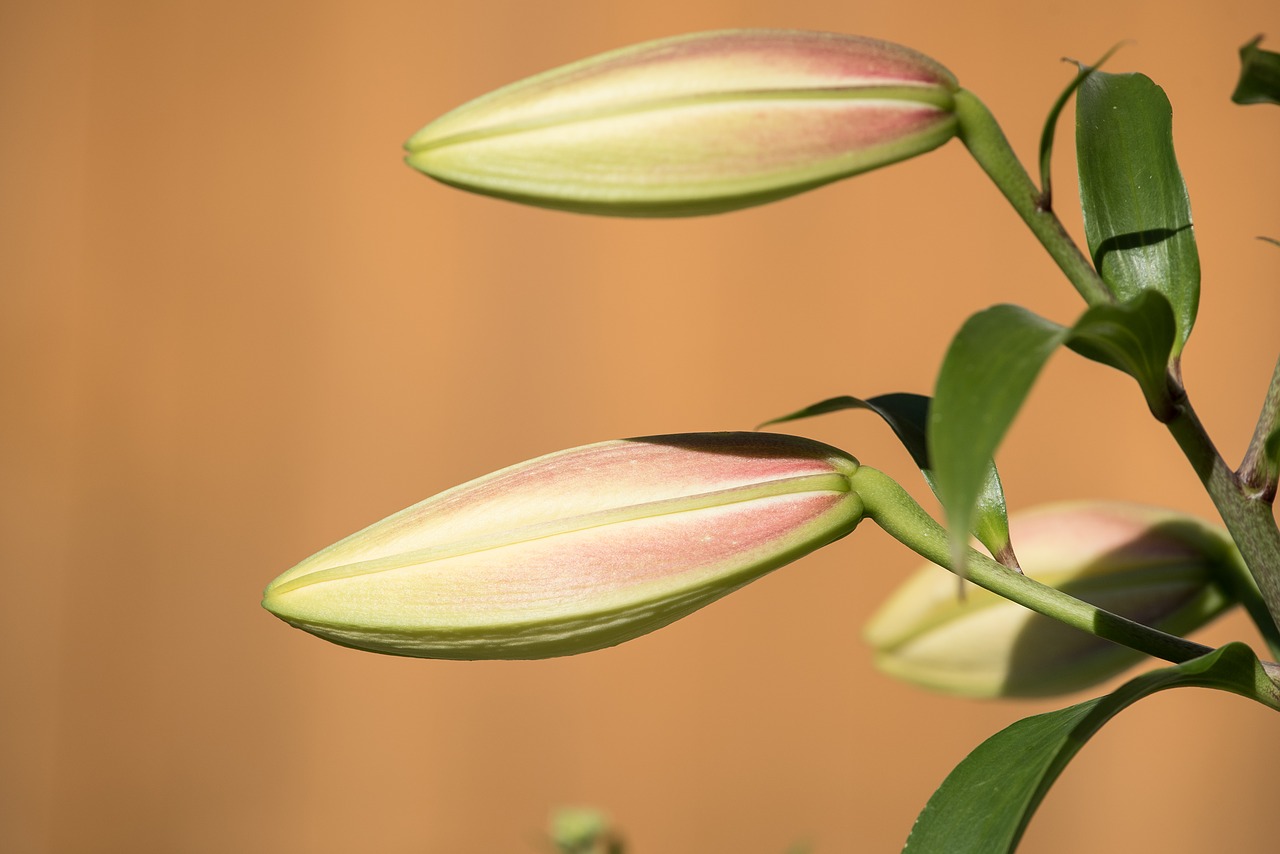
894, 510
1234, 576
982, 135
1247, 516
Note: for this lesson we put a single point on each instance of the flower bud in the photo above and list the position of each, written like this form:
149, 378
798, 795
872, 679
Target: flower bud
696, 124
1153, 566
582, 830
576, 550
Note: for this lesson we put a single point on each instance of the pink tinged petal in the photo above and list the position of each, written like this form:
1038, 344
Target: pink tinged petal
1150, 565
740, 150
576, 550
695, 66
697, 124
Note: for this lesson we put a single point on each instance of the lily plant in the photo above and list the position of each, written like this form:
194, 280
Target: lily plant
593, 546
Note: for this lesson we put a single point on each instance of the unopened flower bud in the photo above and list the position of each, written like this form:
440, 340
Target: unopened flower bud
582, 830
1153, 566
576, 550
696, 124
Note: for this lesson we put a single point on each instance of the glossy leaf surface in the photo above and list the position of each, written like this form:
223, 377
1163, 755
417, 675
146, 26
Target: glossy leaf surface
985, 804
1135, 337
989, 371
1137, 215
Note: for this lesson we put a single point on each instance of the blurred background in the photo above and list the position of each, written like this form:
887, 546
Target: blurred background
235, 328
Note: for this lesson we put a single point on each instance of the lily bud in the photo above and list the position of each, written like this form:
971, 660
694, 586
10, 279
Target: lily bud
1153, 566
576, 550
696, 124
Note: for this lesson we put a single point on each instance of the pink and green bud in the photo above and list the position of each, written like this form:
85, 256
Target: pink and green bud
696, 124
574, 551
1156, 567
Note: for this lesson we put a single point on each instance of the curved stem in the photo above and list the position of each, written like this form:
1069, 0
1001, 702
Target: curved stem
1243, 499
982, 135
894, 510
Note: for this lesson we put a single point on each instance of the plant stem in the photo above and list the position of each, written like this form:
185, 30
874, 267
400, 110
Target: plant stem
1248, 517
1258, 472
982, 135
894, 510
1243, 500
1234, 576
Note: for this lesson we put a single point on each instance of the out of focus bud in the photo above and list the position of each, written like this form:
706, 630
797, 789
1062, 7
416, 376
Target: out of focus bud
696, 124
574, 551
1153, 566
582, 830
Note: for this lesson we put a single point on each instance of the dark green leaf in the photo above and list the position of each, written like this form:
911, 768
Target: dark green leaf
1259, 75
985, 804
1136, 213
987, 373
1135, 337
908, 416
906, 413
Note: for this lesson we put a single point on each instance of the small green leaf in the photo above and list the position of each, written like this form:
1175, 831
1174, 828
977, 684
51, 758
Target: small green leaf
1051, 126
987, 373
1259, 75
985, 804
1137, 215
1135, 337
990, 368
908, 416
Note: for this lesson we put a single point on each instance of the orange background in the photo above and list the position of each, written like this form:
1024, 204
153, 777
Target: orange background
236, 328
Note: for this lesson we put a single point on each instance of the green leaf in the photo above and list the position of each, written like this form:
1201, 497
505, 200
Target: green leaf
1135, 337
987, 373
990, 368
908, 416
1137, 216
1259, 75
985, 804
1051, 126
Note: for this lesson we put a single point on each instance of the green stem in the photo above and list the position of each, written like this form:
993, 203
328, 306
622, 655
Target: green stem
982, 135
1248, 516
894, 510
1243, 500
1235, 577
